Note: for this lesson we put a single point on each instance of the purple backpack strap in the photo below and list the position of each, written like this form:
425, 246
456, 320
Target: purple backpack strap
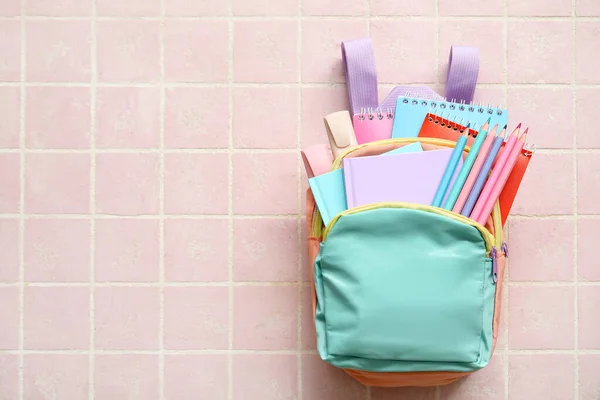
463, 69
361, 77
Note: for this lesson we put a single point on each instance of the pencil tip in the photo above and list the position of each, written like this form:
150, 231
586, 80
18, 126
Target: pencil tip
524, 135
517, 130
503, 132
468, 125
505, 126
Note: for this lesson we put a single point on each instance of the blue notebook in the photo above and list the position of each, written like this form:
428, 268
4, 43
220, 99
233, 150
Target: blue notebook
410, 114
330, 192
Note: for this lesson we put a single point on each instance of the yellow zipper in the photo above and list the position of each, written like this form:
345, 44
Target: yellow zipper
487, 236
440, 142
317, 221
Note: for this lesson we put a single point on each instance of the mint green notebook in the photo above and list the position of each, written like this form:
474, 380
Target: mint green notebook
330, 192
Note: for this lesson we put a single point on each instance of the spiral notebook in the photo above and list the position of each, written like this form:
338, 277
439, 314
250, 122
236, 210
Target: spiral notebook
440, 128
373, 124
508, 194
411, 112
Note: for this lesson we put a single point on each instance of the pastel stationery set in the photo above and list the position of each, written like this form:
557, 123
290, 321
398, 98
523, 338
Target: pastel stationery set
405, 243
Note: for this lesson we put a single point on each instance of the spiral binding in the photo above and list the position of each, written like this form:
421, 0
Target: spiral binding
372, 113
529, 149
451, 123
416, 99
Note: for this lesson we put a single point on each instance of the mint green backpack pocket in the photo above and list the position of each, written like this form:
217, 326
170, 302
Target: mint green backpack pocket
405, 287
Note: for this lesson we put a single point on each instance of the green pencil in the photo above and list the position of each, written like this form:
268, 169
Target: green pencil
466, 167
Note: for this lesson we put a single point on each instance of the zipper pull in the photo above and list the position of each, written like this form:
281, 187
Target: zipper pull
505, 249
494, 256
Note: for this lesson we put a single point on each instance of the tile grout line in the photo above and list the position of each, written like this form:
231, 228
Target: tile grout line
564, 284
420, 18
542, 150
292, 352
230, 214
161, 208
575, 203
299, 42
93, 95
154, 151
287, 85
516, 217
505, 297
157, 284
22, 155
438, 390
368, 394
262, 352
151, 216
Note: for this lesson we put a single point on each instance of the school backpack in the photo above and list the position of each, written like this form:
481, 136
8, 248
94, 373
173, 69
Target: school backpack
404, 294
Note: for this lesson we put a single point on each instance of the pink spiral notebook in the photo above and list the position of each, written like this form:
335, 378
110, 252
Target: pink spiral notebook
409, 177
371, 125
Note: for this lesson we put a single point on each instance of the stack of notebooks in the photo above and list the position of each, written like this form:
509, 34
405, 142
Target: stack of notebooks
446, 177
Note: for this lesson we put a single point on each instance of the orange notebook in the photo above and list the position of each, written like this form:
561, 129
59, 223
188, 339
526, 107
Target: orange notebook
436, 127
439, 128
507, 197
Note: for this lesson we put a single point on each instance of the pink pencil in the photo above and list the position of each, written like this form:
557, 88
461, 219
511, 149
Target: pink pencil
483, 152
484, 205
489, 185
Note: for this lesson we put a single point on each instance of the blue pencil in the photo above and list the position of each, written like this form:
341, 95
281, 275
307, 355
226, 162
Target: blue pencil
450, 168
483, 174
459, 182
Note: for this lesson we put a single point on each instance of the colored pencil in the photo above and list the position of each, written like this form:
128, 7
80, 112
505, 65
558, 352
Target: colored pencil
483, 174
500, 173
466, 167
450, 168
497, 168
468, 186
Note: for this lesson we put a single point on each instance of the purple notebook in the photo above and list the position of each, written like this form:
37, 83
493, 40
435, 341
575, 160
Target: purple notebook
408, 177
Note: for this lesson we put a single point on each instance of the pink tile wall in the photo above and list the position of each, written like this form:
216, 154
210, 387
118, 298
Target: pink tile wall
151, 191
